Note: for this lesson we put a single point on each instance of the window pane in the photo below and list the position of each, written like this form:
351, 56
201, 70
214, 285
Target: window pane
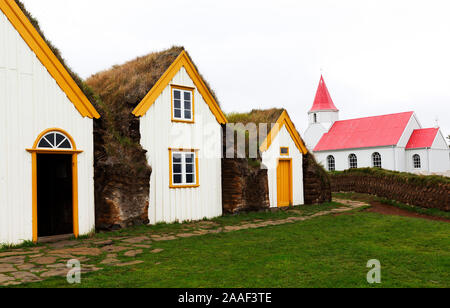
284, 150
177, 113
189, 158
51, 138
59, 138
177, 179
189, 168
187, 96
177, 158
177, 168
44, 144
177, 104
187, 105
177, 94
187, 115
65, 145
190, 178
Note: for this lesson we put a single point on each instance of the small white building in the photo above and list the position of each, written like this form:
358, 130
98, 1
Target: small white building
282, 154
180, 126
46, 138
394, 141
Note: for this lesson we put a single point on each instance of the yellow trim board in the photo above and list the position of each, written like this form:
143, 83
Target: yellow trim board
182, 61
34, 152
284, 120
37, 44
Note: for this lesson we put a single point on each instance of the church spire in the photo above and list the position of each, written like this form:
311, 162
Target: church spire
323, 101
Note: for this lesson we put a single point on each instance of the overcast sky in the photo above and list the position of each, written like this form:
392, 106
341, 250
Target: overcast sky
377, 57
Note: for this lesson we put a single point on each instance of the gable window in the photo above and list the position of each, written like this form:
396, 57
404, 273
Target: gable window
182, 104
376, 160
353, 161
284, 151
331, 163
417, 162
183, 168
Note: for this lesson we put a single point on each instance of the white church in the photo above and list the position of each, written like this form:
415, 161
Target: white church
393, 141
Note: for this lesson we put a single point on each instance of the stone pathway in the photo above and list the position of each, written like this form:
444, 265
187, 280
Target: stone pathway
35, 264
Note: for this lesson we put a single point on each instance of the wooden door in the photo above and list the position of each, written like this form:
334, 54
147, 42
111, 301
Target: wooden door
284, 183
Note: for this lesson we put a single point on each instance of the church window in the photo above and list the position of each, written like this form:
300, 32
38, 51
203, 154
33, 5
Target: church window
376, 160
353, 161
331, 162
417, 162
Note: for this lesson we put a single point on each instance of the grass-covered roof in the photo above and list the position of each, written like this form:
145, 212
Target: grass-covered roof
256, 116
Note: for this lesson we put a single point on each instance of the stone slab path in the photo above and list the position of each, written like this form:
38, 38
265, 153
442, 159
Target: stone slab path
35, 264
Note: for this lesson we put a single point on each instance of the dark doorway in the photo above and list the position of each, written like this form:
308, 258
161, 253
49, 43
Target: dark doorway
54, 194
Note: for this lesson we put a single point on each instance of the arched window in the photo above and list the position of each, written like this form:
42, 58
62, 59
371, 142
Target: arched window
315, 118
376, 160
353, 161
55, 141
331, 163
416, 161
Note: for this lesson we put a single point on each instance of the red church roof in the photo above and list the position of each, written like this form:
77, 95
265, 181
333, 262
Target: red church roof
323, 99
422, 138
384, 130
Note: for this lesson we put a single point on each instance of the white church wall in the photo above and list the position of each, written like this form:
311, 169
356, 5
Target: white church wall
439, 160
424, 160
313, 135
413, 124
364, 158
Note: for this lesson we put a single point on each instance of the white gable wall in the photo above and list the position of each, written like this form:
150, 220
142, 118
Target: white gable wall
270, 160
313, 134
158, 134
31, 102
439, 155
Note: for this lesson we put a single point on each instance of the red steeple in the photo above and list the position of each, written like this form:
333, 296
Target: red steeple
323, 99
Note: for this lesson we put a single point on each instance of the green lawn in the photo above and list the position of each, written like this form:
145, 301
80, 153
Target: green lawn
329, 251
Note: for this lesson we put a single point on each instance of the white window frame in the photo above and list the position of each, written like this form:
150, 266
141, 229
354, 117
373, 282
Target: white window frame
329, 163
184, 173
182, 91
350, 162
417, 163
53, 143
376, 157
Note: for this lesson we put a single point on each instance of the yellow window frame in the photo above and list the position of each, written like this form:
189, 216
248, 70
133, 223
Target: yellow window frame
182, 88
197, 176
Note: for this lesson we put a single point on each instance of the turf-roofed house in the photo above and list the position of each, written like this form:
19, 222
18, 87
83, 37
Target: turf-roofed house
46, 136
162, 105
282, 155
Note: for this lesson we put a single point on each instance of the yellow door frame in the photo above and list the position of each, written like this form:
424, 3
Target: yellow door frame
74, 153
291, 191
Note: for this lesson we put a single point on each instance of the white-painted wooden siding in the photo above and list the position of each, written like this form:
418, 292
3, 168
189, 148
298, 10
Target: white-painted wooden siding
30, 102
270, 160
158, 134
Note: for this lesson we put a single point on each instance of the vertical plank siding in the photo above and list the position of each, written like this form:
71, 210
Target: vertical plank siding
158, 134
270, 160
30, 102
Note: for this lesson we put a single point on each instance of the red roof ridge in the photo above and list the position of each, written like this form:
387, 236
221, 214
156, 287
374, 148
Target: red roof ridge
323, 99
378, 116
